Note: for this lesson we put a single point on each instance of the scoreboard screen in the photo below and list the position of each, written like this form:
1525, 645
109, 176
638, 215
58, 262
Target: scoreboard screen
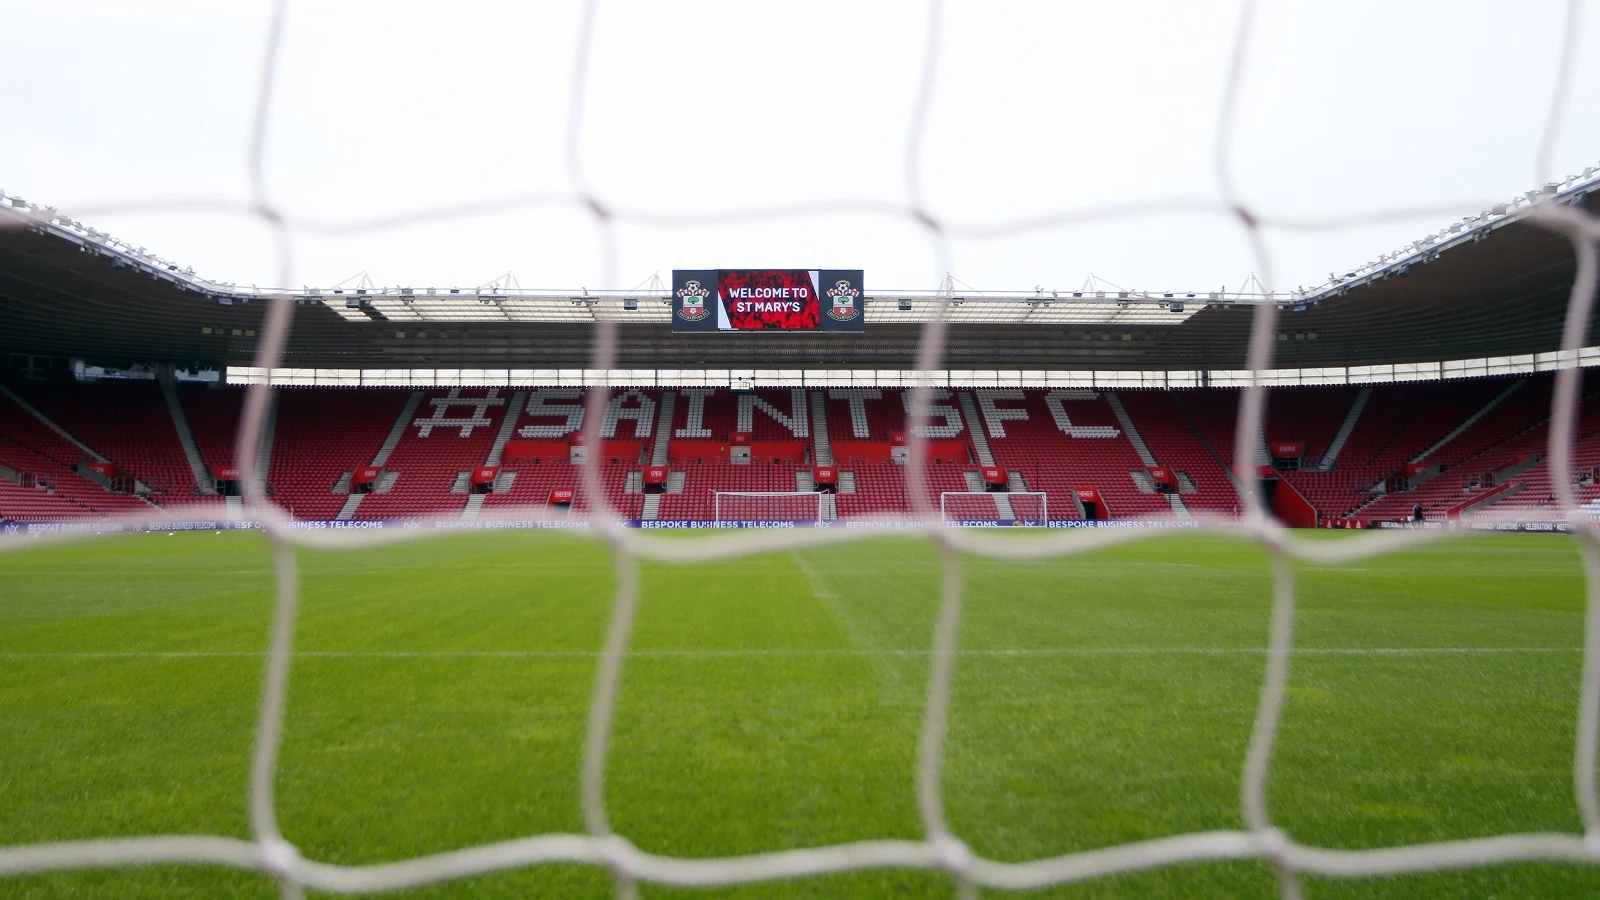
767, 300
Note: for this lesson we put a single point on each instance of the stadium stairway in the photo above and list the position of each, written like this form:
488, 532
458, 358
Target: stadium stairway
1503, 440
975, 429
508, 425
822, 445
1064, 440
47, 422
1131, 431
1164, 426
1470, 420
197, 466
397, 431
1002, 503
1330, 456
265, 440
347, 510
492, 458
450, 433
321, 436
660, 447
985, 455
662, 441
1398, 422
213, 417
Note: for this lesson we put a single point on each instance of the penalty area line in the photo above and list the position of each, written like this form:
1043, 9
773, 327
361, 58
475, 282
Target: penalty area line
764, 652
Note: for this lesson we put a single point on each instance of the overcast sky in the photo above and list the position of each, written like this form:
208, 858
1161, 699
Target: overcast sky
383, 107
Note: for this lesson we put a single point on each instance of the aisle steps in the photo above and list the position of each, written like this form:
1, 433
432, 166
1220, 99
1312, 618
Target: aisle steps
975, 430
1143, 479
663, 436
822, 445
386, 480
1470, 420
1331, 455
203, 481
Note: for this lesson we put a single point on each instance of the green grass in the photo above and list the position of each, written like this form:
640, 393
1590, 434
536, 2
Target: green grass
439, 698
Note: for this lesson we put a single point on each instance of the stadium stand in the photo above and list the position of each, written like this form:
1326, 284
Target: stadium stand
127, 422
213, 417
544, 424
1101, 455
41, 456
1202, 475
1461, 446
448, 436
323, 436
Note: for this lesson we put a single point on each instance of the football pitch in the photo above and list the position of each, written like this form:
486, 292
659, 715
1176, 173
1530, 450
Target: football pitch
439, 693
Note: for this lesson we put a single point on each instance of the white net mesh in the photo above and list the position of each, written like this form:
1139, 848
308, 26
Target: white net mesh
940, 849
984, 506
767, 506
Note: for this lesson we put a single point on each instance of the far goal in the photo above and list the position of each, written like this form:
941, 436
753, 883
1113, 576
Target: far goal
1021, 507
767, 506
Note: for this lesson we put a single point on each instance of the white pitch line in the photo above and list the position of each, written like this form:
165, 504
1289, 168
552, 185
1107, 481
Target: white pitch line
829, 601
764, 652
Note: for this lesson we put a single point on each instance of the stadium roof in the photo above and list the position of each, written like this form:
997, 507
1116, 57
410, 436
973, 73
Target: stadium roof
1490, 285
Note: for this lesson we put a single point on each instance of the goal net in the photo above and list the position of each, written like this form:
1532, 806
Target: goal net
767, 506
903, 205
1022, 507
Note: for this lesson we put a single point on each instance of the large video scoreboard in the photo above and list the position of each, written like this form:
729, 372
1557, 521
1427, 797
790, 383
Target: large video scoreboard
767, 300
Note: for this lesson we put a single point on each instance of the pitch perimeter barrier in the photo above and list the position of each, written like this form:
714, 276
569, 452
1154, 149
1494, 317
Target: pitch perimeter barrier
116, 527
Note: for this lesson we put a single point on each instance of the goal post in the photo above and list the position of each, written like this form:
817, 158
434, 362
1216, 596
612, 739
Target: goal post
766, 506
1028, 507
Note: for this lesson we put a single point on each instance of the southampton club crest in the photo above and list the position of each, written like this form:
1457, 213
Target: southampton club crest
693, 307
844, 301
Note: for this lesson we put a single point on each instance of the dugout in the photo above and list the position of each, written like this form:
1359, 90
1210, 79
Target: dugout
1284, 499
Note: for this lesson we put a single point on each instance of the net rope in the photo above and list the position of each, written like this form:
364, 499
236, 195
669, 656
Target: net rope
940, 848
